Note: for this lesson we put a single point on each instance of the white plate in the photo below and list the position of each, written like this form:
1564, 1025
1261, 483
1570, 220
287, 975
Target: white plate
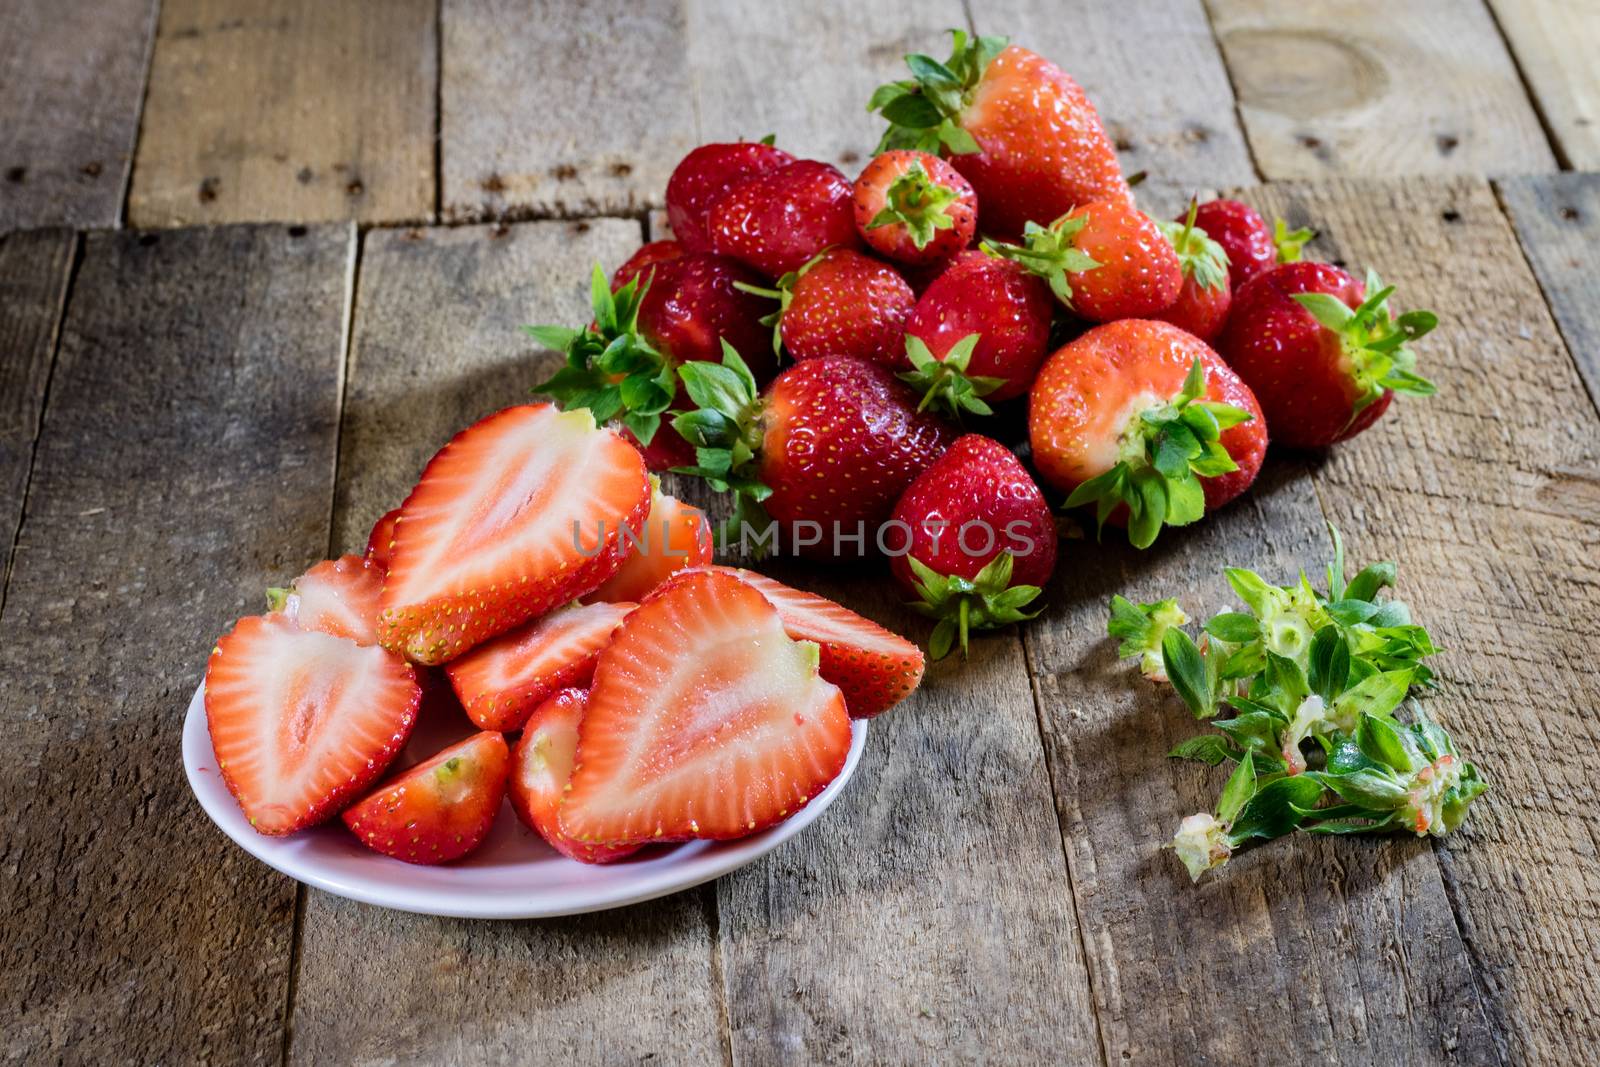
513, 875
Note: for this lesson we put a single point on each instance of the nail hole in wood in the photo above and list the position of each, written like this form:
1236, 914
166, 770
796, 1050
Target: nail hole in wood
1571, 214
297, 231
16, 174
1450, 215
149, 239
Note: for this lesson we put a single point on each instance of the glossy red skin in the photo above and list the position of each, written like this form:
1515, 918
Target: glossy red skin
841, 440
407, 818
848, 304
1087, 382
778, 221
977, 480
1009, 307
1242, 233
1297, 367
1044, 149
380, 542
648, 255
702, 176
894, 241
1200, 310
1139, 273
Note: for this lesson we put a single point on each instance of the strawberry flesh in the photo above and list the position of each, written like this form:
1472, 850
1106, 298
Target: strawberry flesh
541, 768
441, 809
380, 542
675, 536
338, 596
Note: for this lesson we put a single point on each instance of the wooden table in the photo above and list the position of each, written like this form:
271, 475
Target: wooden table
263, 259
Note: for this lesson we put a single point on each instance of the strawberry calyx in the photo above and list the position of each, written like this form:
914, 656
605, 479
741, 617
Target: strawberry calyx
611, 368
725, 430
1050, 252
783, 292
1163, 452
924, 111
917, 202
1199, 256
1290, 243
986, 601
1375, 346
944, 383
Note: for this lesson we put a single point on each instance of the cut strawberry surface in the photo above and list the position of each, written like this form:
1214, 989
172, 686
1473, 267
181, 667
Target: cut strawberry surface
675, 536
439, 810
380, 542
541, 767
704, 721
337, 596
502, 681
302, 721
517, 514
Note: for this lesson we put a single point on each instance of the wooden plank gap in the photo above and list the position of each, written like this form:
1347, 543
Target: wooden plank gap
1551, 135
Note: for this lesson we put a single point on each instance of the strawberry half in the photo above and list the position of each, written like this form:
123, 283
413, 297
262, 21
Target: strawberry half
500, 682
914, 208
337, 596
380, 542
1249, 243
702, 177
517, 514
842, 303
675, 536
302, 721
777, 221
439, 810
1203, 302
704, 721
541, 769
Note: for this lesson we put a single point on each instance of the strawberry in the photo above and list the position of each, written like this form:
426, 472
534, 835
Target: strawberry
777, 221
337, 596
500, 682
978, 334
704, 721
1203, 302
1014, 124
518, 513
1106, 261
303, 721
380, 542
676, 535
914, 208
439, 810
541, 768
1147, 422
980, 541
1251, 247
646, 257
704, 175
825, 449
875, 669
841, 303
1321, 351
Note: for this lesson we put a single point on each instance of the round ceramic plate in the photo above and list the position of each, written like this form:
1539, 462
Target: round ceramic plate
514, 875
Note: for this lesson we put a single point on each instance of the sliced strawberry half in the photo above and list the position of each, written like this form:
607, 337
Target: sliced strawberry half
337, 596
302, 721
439, 810
675, 536
541, 767
704, 721
517, 514
502, 681
380, 542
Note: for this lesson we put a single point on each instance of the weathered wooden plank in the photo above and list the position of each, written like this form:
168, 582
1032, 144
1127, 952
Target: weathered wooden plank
185, 462
71, 80
301, 111
582, 109
1486, 497
1555, 42
435, 347
1558, 219
1360, 87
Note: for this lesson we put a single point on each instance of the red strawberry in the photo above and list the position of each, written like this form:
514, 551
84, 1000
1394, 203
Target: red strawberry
517, 514
825, 449
647, 256
1202, 303
337, 596
1321, 351
380, 542
675, 536
914, 208
704, 721
1117, 418
303, 721
541, 768
842, 303
777, 221
875, 669
439, 810
978, 334
501, 681
704, 175
978, 541
1250, 245
1013, 123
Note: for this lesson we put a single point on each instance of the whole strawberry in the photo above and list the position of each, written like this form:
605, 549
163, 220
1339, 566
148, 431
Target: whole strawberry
1202, 303
979, 541
1146, 422
1322, 351
914, 208
842, 303
706, 173
1019, 129
825, 449
775, 222
648, 255
1249, 243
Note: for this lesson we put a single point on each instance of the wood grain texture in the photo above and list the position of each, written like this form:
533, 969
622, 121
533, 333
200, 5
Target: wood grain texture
1555, 42
71, 82
580, 108
185, 463
1558, 219
1486, 496
302, 111
1361, 87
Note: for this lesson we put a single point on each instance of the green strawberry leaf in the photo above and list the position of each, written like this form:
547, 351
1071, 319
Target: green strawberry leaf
1207, 748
